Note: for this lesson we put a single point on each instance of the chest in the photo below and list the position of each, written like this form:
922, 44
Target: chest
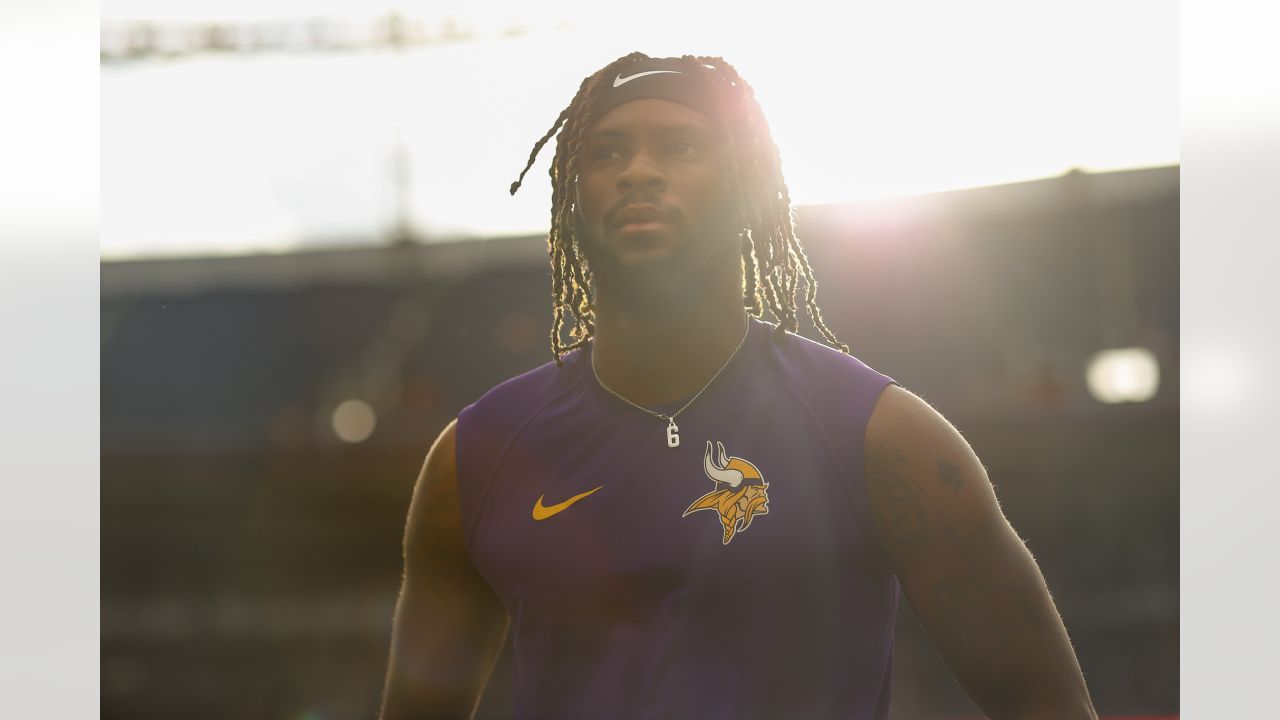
584, 506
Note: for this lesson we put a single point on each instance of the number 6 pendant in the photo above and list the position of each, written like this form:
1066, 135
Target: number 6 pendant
673, 437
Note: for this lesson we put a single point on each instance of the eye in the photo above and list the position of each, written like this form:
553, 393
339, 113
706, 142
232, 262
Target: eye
684, 148
605, 152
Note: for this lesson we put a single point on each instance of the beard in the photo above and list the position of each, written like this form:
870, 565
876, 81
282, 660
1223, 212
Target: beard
678, 277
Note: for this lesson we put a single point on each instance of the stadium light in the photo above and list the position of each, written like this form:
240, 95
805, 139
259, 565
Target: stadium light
1123, 375
354, 420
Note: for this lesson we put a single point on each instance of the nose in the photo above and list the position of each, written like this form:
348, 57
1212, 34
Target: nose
641, 173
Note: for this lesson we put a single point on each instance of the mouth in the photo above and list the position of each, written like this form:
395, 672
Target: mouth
637, 228
640, 218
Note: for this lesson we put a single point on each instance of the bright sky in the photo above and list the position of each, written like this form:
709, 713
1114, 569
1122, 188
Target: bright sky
219, 154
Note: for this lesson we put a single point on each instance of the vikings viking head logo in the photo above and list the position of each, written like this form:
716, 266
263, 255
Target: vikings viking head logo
741, 492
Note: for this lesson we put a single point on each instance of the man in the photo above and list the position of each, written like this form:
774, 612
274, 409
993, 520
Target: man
692, 512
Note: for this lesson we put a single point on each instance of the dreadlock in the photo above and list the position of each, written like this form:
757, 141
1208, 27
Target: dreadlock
774, 262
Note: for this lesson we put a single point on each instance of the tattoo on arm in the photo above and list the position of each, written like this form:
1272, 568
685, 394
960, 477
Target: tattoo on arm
949, 474
899, 513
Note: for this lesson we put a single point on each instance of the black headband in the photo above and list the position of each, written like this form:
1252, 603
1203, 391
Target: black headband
665, 78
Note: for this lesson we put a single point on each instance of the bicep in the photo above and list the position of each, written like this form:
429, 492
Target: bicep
933, 509
449, 624
439, 576
925, 485
433, 530
967, 575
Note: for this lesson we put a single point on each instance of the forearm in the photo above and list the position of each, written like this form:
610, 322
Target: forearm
995, 624
441, 658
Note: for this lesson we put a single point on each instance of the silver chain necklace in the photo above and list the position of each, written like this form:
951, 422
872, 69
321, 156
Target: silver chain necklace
673, 432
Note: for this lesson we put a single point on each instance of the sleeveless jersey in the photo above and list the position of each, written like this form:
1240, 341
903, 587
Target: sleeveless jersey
732, 576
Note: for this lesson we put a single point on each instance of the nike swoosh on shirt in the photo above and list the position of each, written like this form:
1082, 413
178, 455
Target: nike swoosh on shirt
542, 512
620, 81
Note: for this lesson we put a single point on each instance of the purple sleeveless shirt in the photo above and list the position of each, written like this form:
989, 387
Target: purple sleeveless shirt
733, 576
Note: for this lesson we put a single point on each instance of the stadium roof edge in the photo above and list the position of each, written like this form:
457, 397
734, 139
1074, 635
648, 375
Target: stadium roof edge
397, 263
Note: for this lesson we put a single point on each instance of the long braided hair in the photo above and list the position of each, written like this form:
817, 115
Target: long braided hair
773, 260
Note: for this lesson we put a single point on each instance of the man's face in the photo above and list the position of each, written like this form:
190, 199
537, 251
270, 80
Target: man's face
652, 194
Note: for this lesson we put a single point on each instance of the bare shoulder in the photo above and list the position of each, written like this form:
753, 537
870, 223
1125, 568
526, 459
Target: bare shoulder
434, 525
897, 406
442, 461
903, 423
925, 485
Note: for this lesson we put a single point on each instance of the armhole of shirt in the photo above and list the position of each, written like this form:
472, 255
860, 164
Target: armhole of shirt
475, 472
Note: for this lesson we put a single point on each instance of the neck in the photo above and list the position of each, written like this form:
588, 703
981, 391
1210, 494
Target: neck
659, 350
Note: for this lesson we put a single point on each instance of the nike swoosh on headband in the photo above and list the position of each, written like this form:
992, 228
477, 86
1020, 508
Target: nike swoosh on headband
620, 81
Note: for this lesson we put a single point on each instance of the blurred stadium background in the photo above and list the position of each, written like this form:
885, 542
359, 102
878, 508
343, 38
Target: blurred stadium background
310, 264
